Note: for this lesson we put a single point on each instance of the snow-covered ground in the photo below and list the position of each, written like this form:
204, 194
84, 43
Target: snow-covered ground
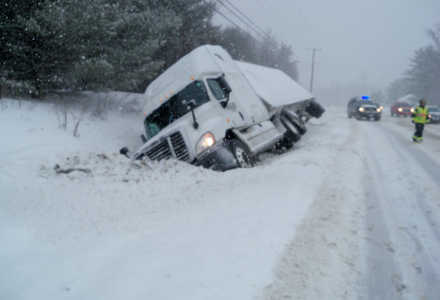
351, 213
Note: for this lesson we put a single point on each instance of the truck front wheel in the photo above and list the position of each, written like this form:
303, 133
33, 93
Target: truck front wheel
242, 154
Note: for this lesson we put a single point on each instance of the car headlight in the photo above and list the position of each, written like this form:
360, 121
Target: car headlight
378, 109
361, 109
206, 141
400, 109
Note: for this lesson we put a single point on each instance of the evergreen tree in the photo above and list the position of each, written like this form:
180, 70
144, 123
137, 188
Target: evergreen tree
115, 44
22, 52
243, 46
267, 51
285, 61
194, 19
424, 73
240, 44
398, 88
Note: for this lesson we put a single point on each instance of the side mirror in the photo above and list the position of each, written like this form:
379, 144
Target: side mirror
124, 151
224, 84
224, 103
226, 89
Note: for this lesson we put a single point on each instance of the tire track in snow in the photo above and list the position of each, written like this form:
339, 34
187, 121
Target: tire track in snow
383, 277
431, 167
323, 259
411, 250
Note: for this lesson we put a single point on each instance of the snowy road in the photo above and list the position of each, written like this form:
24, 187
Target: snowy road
353, 212
396, 257
404, 210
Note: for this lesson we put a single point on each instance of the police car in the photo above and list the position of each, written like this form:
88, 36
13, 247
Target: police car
364, 108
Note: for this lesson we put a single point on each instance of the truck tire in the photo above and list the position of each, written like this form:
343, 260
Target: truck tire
292, 134
242, 154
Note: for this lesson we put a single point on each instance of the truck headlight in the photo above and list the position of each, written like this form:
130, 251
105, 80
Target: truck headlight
412, 110
400, 109
361, 109
206, 141
378, 109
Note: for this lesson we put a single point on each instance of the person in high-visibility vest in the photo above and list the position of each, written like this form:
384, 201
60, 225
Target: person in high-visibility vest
420, 117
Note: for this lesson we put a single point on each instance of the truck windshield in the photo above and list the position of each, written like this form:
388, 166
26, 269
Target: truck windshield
175, 108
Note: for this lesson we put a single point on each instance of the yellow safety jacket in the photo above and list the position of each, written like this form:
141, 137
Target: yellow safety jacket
420, 115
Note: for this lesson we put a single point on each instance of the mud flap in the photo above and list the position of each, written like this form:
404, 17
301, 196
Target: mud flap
314, 109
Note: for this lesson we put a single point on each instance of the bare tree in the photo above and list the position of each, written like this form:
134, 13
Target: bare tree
61, 110
78, 117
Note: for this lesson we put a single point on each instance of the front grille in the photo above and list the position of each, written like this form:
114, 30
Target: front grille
179, 146
159, 151
171, 146
370, 109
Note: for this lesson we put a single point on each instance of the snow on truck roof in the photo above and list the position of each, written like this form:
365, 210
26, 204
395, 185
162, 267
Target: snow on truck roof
204, 60
273, 85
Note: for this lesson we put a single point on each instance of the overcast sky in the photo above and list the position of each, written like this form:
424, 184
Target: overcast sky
368, 41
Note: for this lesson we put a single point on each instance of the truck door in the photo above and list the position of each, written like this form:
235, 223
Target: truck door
221, 90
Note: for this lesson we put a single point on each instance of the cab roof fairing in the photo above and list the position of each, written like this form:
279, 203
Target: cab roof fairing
203, 61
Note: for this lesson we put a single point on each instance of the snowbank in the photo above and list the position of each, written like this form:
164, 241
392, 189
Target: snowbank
165, 230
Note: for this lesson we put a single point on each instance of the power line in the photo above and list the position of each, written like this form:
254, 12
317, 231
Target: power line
240, 18
233, 11
246, 17
229, 20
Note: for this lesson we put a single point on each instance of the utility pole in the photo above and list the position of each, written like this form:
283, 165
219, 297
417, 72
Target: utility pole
312, 74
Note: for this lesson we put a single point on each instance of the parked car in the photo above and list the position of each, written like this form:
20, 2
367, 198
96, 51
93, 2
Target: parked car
364, 108
210, 110
434, 113
400, 109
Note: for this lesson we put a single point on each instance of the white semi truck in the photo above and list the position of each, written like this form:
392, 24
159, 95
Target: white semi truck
210, 110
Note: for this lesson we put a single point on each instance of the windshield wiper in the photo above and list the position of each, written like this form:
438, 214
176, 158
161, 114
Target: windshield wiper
191, 104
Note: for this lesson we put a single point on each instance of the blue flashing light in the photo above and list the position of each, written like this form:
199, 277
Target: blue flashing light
365, 97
